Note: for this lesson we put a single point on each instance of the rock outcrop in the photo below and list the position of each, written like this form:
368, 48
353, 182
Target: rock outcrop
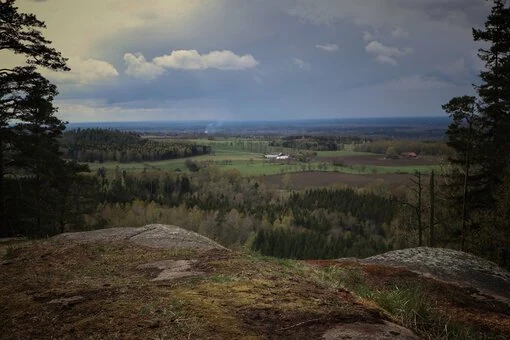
152, 235
452, 266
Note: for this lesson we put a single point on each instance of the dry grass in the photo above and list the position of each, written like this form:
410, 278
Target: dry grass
240, 296
433, 309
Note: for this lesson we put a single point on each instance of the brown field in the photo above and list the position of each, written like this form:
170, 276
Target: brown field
379, 160
311, 179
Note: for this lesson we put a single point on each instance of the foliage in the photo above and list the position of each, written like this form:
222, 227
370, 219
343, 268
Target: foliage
315, 143
235, 211
35, 183
101, 145
398, 147
479, 135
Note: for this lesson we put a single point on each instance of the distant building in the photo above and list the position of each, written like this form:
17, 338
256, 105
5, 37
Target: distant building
279, 156
410, 155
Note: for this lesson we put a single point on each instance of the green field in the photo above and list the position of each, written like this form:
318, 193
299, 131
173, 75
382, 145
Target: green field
247, 156
340, 153
256, 166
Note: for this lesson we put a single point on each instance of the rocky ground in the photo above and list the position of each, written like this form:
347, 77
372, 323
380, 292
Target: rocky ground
152, 235
452, 266
165, 282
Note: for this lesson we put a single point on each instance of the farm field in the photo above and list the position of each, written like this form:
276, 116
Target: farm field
379, 160
256, 166
314, 179
247, 156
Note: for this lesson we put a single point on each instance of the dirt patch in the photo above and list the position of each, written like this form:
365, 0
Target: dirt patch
380, 160
299, 325
171, 269
364, 331
313, 179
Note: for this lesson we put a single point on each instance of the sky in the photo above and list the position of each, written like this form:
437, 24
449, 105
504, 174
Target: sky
135, 60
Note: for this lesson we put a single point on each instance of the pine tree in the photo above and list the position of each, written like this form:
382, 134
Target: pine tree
26, 111
480, 131
494, 92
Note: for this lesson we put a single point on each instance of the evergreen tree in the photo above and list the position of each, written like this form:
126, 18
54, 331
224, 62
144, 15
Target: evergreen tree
480, 131
494, 92
27, 122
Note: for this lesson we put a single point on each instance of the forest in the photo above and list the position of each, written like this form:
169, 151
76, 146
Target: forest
102, 145
316, 143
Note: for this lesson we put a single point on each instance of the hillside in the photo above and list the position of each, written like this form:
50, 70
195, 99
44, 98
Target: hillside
164, 282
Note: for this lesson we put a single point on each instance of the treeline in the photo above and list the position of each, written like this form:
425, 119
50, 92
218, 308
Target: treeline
49, 197
102, 145
315, 143
399, 146
238, 211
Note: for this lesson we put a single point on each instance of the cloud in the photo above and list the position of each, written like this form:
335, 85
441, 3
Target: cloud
227, 60
83, 71
381, 13
386, 54
454, 68
367, 36
181, 59
415, 82
140, 68
192, 60
399, 33
328, 47
301, 64
93, 110
383, 59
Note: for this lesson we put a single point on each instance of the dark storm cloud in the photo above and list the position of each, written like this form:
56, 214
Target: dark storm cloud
377, 58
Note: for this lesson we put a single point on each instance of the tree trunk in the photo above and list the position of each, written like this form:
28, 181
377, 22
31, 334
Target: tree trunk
465, 190
3, 211
419, 212
432, 236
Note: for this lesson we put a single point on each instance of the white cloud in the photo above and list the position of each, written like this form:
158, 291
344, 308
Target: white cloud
301, 64
386, 54
138, 67
383, 59
181, 59
328, 47
227, 60
192, 60
83, 71
399, 33
377, 48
